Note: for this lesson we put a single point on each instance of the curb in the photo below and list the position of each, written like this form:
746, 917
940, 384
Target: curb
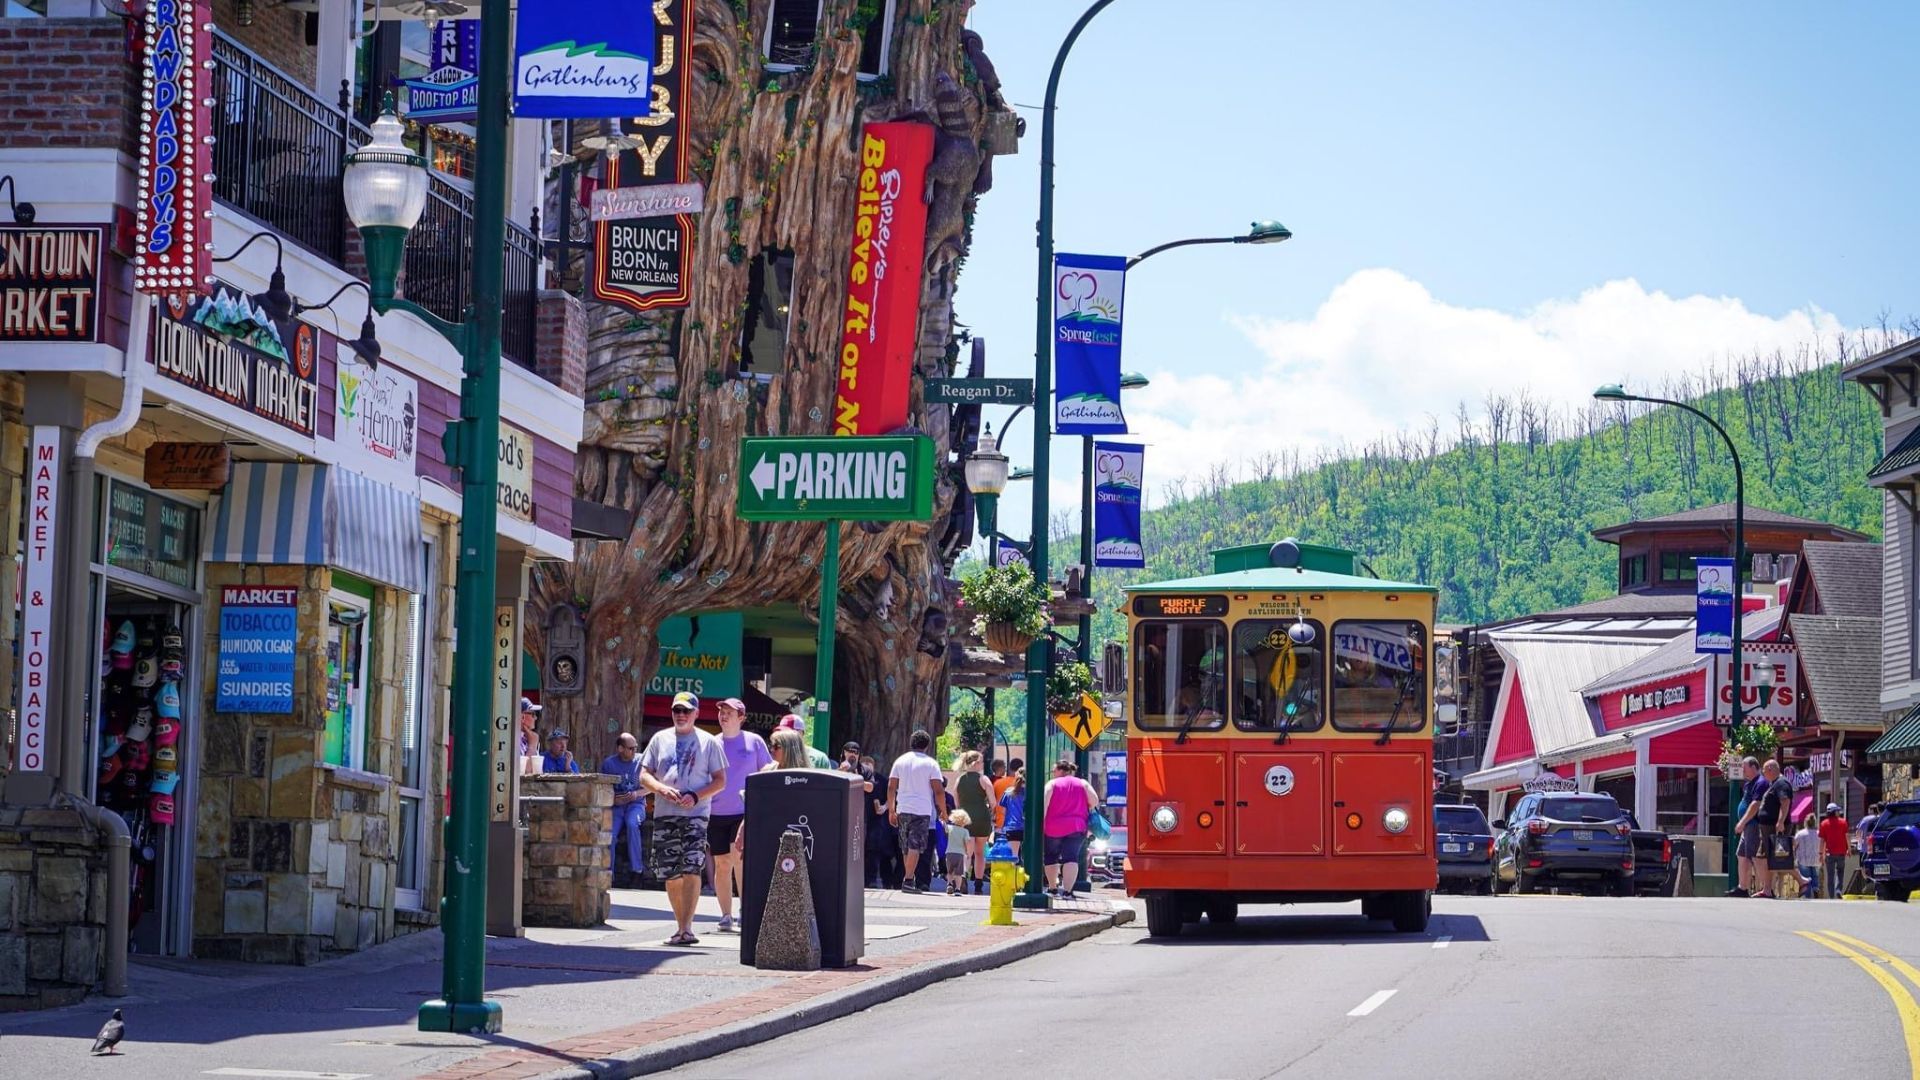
829, 1007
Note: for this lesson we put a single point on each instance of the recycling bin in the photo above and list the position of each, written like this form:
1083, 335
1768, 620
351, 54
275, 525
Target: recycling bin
826, 809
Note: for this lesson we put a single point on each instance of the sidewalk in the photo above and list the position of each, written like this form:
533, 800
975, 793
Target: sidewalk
610, 1001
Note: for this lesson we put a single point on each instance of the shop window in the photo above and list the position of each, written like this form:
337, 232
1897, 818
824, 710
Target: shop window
1633, 571
348, 631
1675, 566
1277, 682
794, 25
416, 720
1676, 807
152, 535
763, 336
1180, 675
1379, 676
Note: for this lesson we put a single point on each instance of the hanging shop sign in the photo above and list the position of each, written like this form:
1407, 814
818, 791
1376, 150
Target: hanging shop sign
505, 712
225, 346
566, 652
50, 282
516, 473
1549, 783
171, 256
1118, 469
188, 466
259, 629
1714, 594
659, 200
153, 535
1088, 294
1769, 686
641, 263
450, 92
44, 470
583, 59
880, 321
700, 654
376, 419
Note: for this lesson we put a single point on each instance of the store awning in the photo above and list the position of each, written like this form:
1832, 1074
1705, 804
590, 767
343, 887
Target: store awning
285, 514
1901, 743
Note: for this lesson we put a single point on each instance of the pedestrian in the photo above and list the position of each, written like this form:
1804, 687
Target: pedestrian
816, 758
1748, 828
746, 754
558, 759
1067, 802
975, 795
1002, 780
790, 750
956, 860
1833, 843
1806, 857
883, 840
1864, 833
685, 768
629, 803
529, 737
1775, 804
1013, 805
852, 762
914, 789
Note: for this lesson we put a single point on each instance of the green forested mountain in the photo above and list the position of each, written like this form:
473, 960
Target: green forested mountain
1497, 510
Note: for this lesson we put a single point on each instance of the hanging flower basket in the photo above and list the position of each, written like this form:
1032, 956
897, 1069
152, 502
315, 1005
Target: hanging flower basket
1007, 605
1007, 639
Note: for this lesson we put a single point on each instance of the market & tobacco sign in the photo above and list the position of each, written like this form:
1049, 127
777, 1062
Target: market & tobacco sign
225, 346
50, 282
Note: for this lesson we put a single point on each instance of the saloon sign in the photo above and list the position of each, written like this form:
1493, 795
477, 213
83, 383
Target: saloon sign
176, 162
880, 321
640, 263
50, 282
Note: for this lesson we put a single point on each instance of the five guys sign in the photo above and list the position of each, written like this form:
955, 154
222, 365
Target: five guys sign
646, 263
881, 321
176, 170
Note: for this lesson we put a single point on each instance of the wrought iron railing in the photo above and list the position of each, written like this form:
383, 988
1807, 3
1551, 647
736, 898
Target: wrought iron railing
278, 156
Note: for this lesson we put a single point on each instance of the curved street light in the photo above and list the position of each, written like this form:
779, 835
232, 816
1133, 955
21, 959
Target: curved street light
1260, 232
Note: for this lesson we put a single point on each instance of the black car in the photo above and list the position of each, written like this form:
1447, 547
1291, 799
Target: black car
1891, 854
1652, 859
1560, 838
1464, 843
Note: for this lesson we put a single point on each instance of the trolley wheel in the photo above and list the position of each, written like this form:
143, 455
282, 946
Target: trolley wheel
1191, 908
1222, 912
1410, 911
1523, 885
1163, 916
1893, 894
1376, 907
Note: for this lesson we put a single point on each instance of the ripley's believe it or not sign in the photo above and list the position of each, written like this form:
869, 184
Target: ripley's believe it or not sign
226, 347
171, 257
880, 322
645, 263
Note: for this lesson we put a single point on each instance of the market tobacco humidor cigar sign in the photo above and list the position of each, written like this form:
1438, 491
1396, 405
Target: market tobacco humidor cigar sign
50, 282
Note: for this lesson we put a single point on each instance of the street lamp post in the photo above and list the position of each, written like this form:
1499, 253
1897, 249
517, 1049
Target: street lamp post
1614, 392
385, 188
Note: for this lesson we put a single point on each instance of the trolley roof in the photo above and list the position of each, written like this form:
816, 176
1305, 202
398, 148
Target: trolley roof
1289, 566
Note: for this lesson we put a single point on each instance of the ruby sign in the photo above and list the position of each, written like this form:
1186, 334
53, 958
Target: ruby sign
881, 321
176, 167
36, 600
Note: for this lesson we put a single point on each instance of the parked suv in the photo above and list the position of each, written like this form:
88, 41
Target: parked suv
1464, 842
1563, 837
1891, 855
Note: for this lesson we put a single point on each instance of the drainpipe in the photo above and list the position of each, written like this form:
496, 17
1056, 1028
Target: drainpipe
80, 632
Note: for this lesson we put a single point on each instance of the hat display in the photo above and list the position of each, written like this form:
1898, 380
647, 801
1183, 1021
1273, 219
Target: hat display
167, 700
161, 809
142, 725
527, 705
166, 732
122, 648
684, 700
146, 672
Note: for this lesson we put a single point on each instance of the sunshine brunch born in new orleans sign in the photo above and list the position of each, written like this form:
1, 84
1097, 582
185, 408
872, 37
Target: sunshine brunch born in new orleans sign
642, 263
1088, 291
1117, 472
583, 59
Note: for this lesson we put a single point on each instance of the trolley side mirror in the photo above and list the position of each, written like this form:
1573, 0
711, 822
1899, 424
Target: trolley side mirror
1500, 823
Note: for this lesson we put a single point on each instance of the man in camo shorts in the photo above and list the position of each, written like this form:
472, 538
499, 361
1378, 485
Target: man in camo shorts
685, 768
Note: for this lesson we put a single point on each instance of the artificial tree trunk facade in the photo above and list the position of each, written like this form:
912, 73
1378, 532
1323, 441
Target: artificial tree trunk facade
667, 409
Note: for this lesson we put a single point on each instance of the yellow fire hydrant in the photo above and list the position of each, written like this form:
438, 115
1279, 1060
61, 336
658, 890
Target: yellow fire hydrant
1006, 879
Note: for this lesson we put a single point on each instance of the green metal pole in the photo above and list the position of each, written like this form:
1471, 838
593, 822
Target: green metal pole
1080, 757
463, 913
823, 652
1040, 654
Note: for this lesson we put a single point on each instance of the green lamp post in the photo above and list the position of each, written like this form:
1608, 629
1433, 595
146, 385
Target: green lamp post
385, 186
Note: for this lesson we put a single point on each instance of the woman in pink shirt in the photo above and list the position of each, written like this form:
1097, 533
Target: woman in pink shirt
1068, 800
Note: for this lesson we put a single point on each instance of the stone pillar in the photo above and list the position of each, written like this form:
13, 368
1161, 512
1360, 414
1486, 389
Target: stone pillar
569, 839
560, 341
506, 838
53, 904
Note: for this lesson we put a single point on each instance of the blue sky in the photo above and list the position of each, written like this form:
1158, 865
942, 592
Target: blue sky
1485, 197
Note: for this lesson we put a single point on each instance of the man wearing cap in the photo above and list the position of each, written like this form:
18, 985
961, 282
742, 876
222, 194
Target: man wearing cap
684, 768
1833, 842
746, 754
816, 758
558, 758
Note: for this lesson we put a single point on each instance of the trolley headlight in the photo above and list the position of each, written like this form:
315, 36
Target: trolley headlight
1395, 820
1165, 819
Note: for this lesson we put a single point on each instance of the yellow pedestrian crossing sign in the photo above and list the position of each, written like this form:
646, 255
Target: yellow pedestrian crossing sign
1084, 723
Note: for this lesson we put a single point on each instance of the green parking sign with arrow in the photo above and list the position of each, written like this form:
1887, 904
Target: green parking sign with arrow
829, 478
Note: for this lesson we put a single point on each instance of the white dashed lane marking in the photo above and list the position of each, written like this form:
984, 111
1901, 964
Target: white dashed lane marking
1378, 999
1443, 941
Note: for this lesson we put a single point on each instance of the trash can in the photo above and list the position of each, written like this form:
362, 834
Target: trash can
827, 809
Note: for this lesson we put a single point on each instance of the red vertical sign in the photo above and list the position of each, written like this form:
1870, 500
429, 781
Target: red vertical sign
171, 256
36, 598
880, 323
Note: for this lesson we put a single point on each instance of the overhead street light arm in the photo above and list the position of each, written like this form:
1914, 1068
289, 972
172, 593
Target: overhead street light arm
1261, 232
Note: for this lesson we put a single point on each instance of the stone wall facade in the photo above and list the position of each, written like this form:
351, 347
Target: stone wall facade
560, 341
53, 903
569, 839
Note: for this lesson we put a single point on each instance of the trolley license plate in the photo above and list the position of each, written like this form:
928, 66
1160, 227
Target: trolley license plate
1583, 834
1450, 849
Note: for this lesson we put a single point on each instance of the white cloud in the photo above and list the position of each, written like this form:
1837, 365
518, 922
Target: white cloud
1382, 354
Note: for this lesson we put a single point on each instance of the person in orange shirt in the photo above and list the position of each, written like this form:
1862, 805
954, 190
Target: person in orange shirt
1833, 841
1002, 780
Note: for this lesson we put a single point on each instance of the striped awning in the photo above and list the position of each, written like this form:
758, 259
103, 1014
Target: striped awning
279, 513
1901, 742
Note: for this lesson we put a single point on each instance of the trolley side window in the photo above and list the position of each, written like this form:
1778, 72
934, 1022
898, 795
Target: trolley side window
1180, 675
1278, 681
1379, 676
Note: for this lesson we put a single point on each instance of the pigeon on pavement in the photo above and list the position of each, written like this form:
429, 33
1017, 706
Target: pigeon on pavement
110, 1035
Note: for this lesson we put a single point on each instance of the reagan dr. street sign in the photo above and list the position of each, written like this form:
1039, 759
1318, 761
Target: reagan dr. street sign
824, 478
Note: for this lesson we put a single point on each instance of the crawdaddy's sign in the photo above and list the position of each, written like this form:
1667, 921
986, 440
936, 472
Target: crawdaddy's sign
176, 167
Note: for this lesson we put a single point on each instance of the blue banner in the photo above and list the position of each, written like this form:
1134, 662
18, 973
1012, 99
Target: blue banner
258, 629
583, 59
1088, 293
1117, 475
1715, 591
450, 90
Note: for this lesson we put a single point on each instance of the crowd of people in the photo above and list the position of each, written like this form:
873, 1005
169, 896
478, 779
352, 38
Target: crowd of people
1768, 842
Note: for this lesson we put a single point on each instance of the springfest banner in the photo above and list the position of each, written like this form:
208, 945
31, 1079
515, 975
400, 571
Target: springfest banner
1713, 600
641, 263
881, 320
1088, 292
583, 59
1117, 472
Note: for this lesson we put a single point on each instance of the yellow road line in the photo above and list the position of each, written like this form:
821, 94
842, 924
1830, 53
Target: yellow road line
1903, 1001
1912, 973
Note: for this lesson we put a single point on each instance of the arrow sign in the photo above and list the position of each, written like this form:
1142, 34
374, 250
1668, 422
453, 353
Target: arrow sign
827, 478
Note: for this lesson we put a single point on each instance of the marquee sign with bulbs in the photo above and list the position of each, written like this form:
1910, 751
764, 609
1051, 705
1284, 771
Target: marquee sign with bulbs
172, 258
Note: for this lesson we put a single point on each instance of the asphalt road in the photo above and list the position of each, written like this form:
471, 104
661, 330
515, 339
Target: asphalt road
1498, 987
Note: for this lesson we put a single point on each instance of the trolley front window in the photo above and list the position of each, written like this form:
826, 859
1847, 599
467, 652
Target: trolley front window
1379, 676
1180, 675
1278, 680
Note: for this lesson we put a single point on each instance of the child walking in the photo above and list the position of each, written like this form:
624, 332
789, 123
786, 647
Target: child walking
957, 823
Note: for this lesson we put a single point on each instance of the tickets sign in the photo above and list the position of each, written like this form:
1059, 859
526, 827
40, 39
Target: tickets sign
880, 319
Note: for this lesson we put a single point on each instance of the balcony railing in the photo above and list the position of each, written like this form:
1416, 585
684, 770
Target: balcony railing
278, 158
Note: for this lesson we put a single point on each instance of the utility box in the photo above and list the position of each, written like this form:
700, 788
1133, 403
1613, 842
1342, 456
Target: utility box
827, 810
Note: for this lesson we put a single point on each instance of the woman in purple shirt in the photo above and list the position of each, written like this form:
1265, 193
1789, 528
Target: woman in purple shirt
746, 754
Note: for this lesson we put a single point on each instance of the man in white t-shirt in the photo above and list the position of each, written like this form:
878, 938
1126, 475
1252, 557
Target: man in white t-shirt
684, 768
916, 792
